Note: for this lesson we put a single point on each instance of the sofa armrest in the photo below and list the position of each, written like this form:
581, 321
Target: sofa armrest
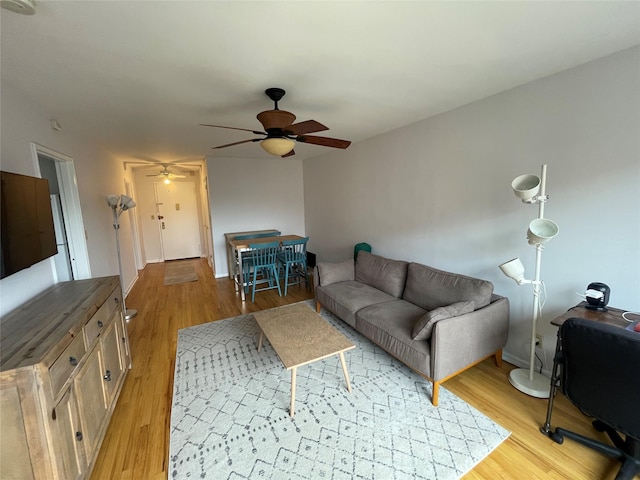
459, 342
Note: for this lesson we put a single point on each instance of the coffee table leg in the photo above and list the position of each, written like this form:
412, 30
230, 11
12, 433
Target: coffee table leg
260, 341
344, 369
293, 392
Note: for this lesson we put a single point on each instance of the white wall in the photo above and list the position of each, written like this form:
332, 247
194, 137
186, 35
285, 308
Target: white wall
253, 194
97, 175
438, 191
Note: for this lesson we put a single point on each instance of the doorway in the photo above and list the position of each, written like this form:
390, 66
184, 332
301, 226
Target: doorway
177, 208
58, 169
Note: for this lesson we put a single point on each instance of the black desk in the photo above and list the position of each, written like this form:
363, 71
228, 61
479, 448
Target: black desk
613, 316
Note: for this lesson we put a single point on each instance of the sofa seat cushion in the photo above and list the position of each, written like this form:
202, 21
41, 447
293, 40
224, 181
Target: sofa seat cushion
390, 325
382, 273
431, 288
344, 299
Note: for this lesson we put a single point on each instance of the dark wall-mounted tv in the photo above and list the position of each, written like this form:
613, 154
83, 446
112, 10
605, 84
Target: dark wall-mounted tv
26, 222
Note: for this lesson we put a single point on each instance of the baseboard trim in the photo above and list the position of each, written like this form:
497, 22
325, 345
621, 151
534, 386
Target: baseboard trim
524, 363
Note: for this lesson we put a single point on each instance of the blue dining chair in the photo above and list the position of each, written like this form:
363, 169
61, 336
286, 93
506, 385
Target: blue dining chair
293, 257
263, 261
246, 256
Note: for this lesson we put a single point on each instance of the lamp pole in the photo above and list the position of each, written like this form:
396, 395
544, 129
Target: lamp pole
536, 283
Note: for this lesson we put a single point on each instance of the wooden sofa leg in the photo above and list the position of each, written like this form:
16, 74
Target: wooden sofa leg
498, 357
434, 396
318, 307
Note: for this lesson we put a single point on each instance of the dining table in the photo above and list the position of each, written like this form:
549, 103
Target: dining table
240, 246
230, 252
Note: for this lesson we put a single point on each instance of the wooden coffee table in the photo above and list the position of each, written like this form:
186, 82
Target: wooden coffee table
300, 336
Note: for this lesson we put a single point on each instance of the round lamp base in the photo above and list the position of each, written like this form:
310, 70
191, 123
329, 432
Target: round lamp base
130, 313
538, 387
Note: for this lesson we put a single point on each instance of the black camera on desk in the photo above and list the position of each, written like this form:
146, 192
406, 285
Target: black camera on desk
597, 296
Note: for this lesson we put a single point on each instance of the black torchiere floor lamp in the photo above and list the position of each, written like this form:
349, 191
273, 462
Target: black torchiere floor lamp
119, 204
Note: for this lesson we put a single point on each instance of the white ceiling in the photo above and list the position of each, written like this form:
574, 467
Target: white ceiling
138, 77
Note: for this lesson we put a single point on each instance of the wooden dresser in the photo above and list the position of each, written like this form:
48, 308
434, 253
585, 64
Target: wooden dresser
64, 356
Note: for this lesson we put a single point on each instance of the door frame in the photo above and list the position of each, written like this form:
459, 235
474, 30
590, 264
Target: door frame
70, 199
135, 229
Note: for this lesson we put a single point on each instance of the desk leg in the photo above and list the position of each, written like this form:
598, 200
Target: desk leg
241, 276
293, 392
555, 381
344, 369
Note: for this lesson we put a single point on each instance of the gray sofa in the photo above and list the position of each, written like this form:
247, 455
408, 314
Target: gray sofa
437, 323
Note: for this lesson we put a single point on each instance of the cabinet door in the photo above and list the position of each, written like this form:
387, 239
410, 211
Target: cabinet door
92, 407
14, 448
70, 441
113, 369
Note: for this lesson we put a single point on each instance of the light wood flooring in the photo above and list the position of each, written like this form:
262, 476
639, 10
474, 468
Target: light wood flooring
136, 445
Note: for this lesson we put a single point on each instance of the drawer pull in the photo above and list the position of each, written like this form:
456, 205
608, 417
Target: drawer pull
100, 324
107, 376
79, 436
73, 361
117, 300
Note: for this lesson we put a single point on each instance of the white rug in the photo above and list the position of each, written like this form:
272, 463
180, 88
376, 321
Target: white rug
230, 420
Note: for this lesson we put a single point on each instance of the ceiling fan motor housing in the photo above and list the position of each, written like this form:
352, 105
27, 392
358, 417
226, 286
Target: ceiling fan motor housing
278, 119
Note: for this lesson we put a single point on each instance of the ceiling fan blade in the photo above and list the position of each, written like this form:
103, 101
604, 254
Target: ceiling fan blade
234, 128
324, 141
309, 126
238, 143
290, 154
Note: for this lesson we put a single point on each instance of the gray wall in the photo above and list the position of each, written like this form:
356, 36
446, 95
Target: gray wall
438, 191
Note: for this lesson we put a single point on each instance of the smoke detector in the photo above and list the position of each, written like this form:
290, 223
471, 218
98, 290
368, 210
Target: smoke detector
24, 7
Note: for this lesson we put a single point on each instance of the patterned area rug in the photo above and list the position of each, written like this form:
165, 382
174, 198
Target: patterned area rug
180, 272
230, 420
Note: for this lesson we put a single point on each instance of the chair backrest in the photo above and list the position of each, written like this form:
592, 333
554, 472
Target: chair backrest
360, 247
263, 254
257, 235
295, 250
601, 372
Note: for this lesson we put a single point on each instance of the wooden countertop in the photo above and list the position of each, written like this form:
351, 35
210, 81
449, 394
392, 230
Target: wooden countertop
29, 332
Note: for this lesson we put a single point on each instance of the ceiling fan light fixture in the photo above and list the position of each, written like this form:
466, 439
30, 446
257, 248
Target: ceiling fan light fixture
277, 146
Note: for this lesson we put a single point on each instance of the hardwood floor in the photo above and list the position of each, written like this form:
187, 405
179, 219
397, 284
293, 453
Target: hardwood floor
136, 445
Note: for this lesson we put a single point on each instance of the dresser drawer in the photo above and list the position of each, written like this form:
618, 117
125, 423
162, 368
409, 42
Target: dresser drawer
97, 324
64, 365
115, 300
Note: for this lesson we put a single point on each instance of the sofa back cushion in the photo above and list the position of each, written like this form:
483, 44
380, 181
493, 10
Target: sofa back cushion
431, 288
381, 273
329, 273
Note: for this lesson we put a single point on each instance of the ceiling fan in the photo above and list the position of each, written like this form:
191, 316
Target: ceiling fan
280, 133
165, 173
